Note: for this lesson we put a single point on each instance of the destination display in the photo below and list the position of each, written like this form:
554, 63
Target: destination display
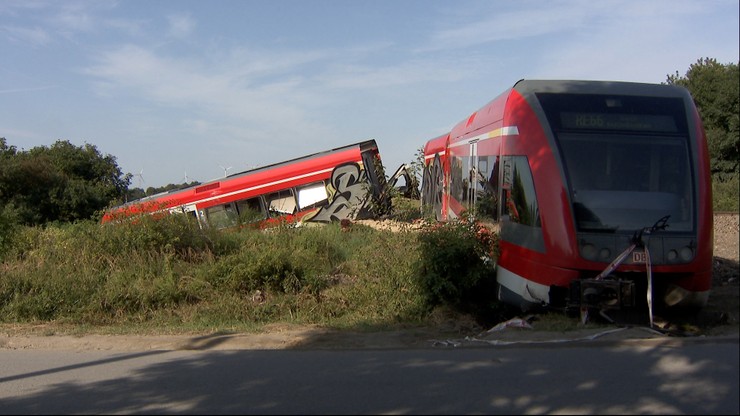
611, 121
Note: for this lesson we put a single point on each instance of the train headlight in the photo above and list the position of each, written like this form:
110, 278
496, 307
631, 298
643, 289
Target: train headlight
589, 251
672, 255
605, 254
686, 253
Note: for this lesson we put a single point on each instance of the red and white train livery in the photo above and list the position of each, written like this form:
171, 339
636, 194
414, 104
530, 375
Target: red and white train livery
601, 189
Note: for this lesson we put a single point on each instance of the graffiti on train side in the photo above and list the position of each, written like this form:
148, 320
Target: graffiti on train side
349, 194
433, 186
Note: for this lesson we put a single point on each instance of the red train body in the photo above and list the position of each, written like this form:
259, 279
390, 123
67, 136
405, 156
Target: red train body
337, 184
576, 173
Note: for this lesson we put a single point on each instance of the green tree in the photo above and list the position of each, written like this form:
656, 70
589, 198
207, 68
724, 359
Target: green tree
61, 182
716, 91
5, 150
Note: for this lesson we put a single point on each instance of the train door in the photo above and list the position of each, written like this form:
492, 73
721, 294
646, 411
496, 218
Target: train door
493, 187
484, 176
191, 211
473, 181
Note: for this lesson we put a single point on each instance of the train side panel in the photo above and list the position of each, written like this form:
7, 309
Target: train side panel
322, 187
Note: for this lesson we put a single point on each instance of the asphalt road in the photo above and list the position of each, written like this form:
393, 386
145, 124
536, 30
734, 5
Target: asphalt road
667, 376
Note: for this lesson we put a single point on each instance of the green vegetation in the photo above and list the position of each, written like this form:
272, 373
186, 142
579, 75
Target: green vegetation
456, 269
170, 275
725, 194
60, 183
716, 91
455, 261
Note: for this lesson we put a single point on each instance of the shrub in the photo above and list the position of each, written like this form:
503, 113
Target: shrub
456, 264
406, 209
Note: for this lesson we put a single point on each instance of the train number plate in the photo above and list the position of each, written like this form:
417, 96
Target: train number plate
639, 257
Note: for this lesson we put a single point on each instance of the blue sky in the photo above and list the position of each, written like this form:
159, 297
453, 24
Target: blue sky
177, 89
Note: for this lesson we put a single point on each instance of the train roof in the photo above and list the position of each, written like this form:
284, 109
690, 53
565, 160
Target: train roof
363, 146
494, 109
526, 86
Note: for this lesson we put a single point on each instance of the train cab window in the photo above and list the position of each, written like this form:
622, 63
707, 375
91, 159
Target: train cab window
222, 216
312, 195
281, 202
628, 181
251, 210
519, 197
626, 158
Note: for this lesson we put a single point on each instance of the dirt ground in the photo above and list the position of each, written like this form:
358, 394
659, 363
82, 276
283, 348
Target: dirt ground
719, 319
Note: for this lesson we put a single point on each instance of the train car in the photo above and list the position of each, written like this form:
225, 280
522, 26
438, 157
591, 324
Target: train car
341, 183
601, 192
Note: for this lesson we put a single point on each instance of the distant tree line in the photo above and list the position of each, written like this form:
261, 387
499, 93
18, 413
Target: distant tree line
66, 183
58, 183
62, 183
716, 91
138, 193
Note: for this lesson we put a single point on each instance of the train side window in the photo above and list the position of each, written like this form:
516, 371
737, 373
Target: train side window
458, 185
222, 216
519, 196
282, 202
312, 195
488, 198
251, 210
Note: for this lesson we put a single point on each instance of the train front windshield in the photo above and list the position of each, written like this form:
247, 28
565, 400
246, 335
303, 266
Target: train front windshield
626, 159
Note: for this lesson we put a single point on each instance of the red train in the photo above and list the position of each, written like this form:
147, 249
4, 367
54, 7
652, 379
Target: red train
601, 191
342, 183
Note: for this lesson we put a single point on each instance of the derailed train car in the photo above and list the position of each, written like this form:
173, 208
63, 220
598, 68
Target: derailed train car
601, 190
342, 183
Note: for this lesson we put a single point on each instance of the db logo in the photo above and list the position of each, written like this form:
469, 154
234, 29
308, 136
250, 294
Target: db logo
639, 257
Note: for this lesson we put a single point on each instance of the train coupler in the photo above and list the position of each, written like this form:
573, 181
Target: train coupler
601, 294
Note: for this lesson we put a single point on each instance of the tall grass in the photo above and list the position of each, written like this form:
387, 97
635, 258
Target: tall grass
170, 274
725, 194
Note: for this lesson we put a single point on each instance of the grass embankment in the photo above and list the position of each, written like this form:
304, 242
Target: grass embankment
170, 276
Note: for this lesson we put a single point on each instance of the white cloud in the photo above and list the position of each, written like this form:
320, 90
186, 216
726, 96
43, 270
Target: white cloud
180, 25
230, 99
639, 41
74, 19
130, 27
497, 24
35, 36
28, 89
405, 73
551, 18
